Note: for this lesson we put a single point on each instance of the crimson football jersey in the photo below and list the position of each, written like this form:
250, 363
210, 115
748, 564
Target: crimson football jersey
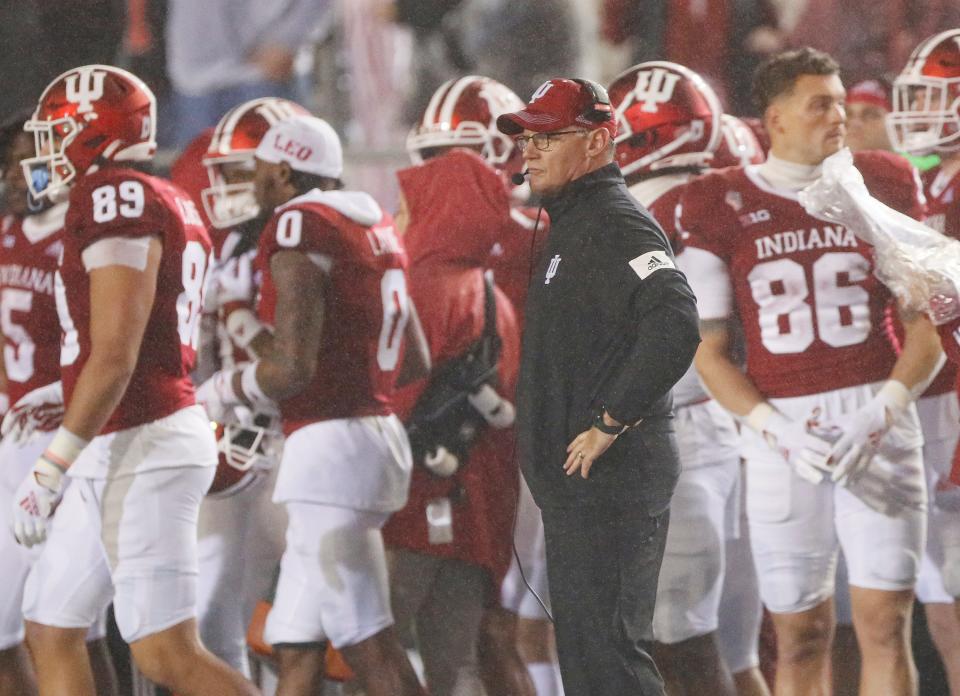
803, 288
30, 250
943, 214
366, 307
126, 203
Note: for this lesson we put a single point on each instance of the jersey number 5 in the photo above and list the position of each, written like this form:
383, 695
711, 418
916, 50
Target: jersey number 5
18, 348
839, 315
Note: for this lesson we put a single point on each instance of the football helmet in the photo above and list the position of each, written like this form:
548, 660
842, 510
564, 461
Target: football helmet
233, 144
88, 114
668, 116
463, 113
247, 449
926, 98
738, 147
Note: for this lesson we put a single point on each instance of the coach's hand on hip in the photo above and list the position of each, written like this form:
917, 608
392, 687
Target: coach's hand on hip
587, 447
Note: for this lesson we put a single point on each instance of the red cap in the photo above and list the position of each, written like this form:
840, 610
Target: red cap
870, 92
559, 104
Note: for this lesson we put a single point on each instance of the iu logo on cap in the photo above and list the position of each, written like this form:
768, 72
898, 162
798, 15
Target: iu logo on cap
541, 90
84, 87
655, 87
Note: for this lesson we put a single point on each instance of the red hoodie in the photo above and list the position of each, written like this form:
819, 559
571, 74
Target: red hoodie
459, 209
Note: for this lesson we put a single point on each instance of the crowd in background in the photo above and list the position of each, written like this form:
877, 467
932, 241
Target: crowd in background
369, 66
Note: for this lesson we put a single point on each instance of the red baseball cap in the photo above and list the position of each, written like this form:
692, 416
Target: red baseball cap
874, 92
562, 103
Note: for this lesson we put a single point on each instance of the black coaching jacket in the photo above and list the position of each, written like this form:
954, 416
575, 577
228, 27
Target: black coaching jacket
610, 323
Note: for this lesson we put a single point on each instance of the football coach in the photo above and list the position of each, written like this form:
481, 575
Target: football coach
611, 325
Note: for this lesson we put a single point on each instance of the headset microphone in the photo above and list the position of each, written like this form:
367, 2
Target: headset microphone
519, 177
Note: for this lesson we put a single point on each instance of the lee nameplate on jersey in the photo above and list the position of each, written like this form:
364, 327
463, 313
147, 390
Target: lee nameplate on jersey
652, 261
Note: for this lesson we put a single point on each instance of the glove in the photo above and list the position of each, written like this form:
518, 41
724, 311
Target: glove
804, 444
218, 397
234, 281
38, 411
35, 501
865, 430
885, 487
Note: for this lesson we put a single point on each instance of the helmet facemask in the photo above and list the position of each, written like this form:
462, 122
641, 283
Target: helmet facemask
50, 172
925, 116
230, 198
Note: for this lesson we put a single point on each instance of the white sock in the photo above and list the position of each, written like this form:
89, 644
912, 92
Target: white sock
546, 678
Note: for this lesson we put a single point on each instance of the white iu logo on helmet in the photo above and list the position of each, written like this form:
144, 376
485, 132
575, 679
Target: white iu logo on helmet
655, 87
274, 111
85, 87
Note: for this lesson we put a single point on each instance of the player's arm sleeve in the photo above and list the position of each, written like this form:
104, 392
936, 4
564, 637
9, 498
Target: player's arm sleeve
666, 333
708, 277
117, 251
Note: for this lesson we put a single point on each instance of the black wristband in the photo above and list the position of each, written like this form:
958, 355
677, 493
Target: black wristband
601, 425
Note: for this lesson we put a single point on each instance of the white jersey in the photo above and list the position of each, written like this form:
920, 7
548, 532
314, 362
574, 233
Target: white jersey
654, 194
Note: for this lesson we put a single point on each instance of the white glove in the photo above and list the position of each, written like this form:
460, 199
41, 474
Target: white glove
38, 411
218, 397
234, 280
804, 444
864, 431
35, 500
886, 487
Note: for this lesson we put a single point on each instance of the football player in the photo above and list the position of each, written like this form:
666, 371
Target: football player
138, 450
334, 291
463, 114
832, 443
241, 529
868, 103
925, 119
669, 128
30, 244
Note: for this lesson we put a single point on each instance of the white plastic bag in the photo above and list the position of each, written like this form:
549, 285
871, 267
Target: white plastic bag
920, 266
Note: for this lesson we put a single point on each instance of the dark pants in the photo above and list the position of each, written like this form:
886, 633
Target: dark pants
603, 564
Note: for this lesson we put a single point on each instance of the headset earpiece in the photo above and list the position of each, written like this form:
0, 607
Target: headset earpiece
600, 109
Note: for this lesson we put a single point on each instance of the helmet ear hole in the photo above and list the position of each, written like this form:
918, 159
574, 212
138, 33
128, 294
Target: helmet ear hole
647, 138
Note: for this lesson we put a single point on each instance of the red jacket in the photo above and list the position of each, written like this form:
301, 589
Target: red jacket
458, 211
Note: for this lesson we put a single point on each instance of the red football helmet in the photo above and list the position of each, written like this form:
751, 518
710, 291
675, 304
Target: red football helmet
738, 147
668, 117
235, 139
463, 113
926, 98
247, 450
91, 113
